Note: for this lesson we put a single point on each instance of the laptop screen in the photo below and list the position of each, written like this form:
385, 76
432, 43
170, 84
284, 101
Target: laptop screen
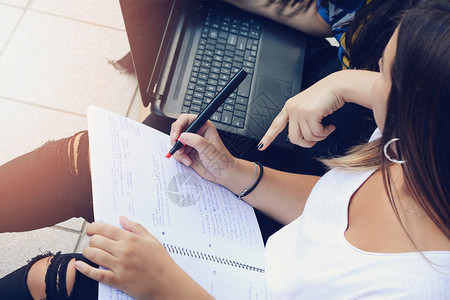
147, 25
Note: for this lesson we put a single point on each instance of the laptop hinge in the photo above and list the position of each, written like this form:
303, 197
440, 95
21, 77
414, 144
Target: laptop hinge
172, 36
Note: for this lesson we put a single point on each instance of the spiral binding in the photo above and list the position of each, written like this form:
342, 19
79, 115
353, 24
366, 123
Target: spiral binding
191, 253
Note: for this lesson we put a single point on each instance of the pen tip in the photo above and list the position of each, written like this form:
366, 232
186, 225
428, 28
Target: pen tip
168, 155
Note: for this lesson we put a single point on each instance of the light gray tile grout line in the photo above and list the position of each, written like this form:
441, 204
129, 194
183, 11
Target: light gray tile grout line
74, 19
62, 228
42, 106
26, 8
12, 5
80, 233
80, 237
15, 27
132, 98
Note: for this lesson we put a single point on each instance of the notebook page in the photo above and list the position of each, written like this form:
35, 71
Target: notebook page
215, 278
131, 176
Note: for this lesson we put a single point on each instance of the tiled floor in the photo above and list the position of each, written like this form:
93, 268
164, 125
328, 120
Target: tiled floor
53, 65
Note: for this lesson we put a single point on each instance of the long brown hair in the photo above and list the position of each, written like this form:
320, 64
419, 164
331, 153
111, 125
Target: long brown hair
418, 113
419, 108
369, 31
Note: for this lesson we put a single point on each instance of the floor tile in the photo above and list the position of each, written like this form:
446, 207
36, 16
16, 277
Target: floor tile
75, 224
25, 127
62, 63
55, 64
17, 248
134, 110
20, 3
102, 12
137, 110
82, 243
9, 16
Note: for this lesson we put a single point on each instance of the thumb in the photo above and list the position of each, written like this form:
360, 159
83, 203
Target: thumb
328, 129
133, 227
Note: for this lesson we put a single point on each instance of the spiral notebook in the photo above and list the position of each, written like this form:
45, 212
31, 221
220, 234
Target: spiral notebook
206, 229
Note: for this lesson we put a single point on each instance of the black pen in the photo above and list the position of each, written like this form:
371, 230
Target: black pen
211, 108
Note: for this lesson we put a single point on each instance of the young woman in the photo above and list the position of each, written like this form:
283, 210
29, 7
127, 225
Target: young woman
57, 174
375, 226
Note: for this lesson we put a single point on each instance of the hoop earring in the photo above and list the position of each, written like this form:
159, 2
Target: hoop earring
395, 161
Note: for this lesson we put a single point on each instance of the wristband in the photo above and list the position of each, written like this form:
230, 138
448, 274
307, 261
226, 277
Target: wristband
252, 185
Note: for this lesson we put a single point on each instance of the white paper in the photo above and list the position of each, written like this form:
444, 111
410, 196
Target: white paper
132, 177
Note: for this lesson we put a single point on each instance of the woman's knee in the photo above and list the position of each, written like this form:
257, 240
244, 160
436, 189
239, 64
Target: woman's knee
70, 154
68, 161
52, 277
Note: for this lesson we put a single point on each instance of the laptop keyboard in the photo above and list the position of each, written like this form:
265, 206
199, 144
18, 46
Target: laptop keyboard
228, 43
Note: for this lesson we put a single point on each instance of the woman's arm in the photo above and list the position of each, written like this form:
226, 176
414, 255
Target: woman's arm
280, 195
308, 21
283, 195
304, 112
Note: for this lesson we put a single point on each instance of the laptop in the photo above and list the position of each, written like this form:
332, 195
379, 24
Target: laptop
184, 52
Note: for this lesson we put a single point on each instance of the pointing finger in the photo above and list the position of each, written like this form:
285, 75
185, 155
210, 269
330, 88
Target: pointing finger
278, 124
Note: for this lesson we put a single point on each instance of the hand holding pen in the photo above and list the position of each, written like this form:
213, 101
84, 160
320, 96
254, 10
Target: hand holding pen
211, 108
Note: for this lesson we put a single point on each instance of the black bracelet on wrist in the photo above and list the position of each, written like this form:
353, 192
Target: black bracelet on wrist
249, 189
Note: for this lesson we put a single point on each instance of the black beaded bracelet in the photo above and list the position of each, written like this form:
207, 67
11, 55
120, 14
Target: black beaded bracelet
249, 189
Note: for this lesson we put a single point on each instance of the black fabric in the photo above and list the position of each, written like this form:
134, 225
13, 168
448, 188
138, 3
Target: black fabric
321, 59
14, 285
55, 279
42, 188
84, 288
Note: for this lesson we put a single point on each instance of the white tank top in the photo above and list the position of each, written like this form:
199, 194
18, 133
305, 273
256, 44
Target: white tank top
310, 258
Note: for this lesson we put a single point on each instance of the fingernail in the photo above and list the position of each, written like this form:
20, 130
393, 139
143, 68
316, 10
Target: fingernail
124, 220
79, 265
183, 138
260, 145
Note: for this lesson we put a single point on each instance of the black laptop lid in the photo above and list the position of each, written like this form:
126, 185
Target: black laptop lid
149, 28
